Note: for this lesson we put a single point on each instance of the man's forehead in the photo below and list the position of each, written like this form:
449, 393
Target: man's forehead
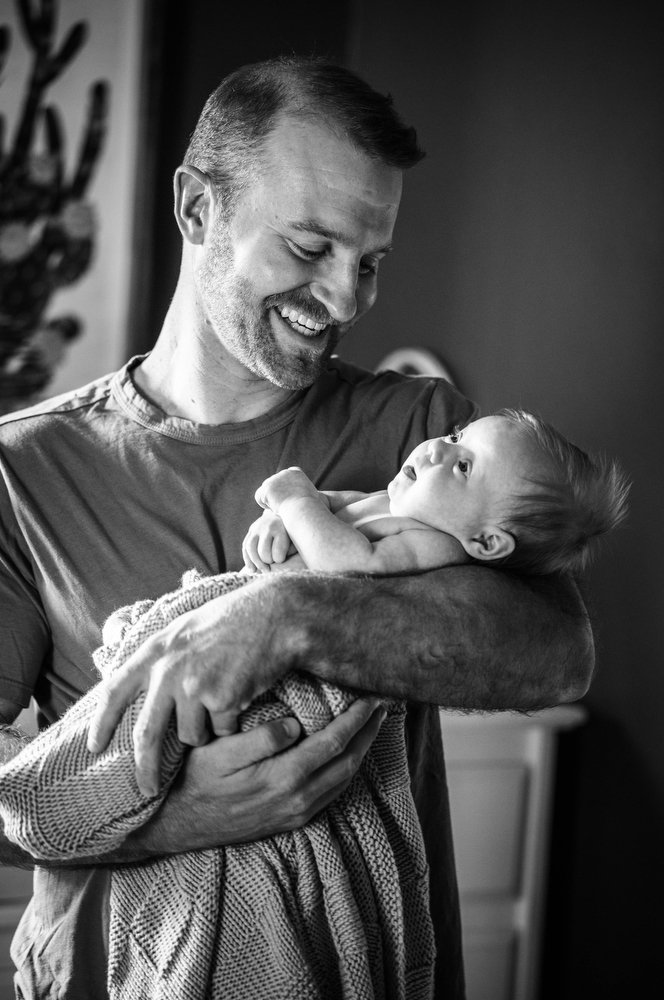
289, 131
308, 153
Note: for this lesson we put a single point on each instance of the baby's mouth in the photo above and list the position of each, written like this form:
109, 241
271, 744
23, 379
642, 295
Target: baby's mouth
409, 472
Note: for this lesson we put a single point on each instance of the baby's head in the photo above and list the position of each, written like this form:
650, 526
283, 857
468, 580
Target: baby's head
514, 492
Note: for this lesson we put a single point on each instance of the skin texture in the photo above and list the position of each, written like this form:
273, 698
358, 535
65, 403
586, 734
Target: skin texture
307, 235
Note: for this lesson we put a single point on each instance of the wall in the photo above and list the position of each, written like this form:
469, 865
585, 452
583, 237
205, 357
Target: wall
101, 297
529, 255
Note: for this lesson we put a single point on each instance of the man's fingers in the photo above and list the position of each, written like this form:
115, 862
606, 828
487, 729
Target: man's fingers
327, 761
354, 730
192, 724
114, 696
255, 745
149, 732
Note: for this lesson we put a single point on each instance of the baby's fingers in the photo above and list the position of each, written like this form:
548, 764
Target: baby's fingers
265, 547
250, 555
281, 544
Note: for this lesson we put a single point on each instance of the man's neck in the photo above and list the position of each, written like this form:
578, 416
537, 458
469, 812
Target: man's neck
183, 381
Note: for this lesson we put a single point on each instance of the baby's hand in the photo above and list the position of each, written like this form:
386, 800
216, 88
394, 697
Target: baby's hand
285, 485
266, 542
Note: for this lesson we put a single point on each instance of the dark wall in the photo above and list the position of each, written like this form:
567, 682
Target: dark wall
529, 255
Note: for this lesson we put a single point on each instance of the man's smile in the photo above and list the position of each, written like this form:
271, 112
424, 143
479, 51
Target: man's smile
301, 323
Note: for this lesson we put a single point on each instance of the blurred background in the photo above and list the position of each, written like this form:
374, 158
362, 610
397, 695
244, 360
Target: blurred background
528, 257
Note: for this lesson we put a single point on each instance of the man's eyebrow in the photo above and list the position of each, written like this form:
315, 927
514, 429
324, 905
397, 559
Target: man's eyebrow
334, 235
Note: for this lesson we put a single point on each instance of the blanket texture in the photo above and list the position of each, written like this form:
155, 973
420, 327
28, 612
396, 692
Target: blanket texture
337, 909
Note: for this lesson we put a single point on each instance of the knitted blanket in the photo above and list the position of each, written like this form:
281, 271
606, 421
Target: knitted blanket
337, 909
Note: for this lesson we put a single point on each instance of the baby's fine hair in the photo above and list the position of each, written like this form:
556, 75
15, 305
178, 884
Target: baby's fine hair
556, 524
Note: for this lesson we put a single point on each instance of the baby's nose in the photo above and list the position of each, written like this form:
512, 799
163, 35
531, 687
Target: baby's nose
436, 451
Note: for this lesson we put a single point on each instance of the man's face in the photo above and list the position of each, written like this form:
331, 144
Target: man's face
295, 267
464, 483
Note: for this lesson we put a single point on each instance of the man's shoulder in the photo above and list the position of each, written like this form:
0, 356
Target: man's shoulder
397, 391
25, 422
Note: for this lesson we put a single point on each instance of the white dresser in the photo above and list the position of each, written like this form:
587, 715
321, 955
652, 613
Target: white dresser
500, 771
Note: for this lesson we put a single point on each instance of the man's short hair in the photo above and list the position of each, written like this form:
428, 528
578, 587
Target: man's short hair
556, 524
240, 114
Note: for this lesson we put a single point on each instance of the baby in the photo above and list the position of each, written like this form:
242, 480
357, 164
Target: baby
508, 489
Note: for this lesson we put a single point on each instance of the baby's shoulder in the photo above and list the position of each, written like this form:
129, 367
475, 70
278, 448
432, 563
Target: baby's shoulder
371, 515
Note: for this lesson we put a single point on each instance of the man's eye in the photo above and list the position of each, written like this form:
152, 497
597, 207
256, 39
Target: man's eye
368, 267
464, 467
304, 252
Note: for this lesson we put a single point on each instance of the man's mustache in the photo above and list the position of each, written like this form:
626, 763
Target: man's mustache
303, 303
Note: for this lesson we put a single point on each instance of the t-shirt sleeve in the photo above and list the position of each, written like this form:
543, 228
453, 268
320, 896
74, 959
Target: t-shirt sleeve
447, 409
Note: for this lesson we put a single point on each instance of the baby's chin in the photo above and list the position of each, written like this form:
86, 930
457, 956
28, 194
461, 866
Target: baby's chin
391, 487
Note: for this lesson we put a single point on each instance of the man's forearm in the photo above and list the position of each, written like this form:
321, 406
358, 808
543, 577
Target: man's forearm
464, 637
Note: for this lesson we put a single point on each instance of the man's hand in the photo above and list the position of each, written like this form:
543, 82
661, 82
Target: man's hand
206, 667
267, 542
255, 784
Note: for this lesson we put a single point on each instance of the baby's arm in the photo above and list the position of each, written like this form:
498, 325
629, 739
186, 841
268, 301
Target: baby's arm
330, 545
267, 546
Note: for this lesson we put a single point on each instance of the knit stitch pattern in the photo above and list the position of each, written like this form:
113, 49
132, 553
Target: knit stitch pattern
336, 910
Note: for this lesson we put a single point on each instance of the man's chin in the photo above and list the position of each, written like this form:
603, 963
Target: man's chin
298, 373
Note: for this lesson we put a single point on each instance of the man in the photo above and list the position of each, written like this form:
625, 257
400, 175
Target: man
286, 202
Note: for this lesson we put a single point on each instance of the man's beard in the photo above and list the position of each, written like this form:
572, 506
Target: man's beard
243, 324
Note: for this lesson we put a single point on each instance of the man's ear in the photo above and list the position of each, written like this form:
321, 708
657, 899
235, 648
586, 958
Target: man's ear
194, 202
492, 543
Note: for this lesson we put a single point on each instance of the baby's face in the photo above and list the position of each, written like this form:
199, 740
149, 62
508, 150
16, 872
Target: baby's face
462, 483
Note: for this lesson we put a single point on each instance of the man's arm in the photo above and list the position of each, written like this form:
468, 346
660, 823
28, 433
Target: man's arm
464, 637
238, 788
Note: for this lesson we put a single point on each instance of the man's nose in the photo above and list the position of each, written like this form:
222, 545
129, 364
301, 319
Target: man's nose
337, 291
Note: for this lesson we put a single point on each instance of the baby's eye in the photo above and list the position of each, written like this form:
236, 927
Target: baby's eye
464, 467
456, 435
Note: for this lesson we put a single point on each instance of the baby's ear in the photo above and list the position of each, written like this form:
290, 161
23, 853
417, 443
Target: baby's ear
492, 543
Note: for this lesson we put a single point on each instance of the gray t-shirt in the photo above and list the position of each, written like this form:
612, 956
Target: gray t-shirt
106, 500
